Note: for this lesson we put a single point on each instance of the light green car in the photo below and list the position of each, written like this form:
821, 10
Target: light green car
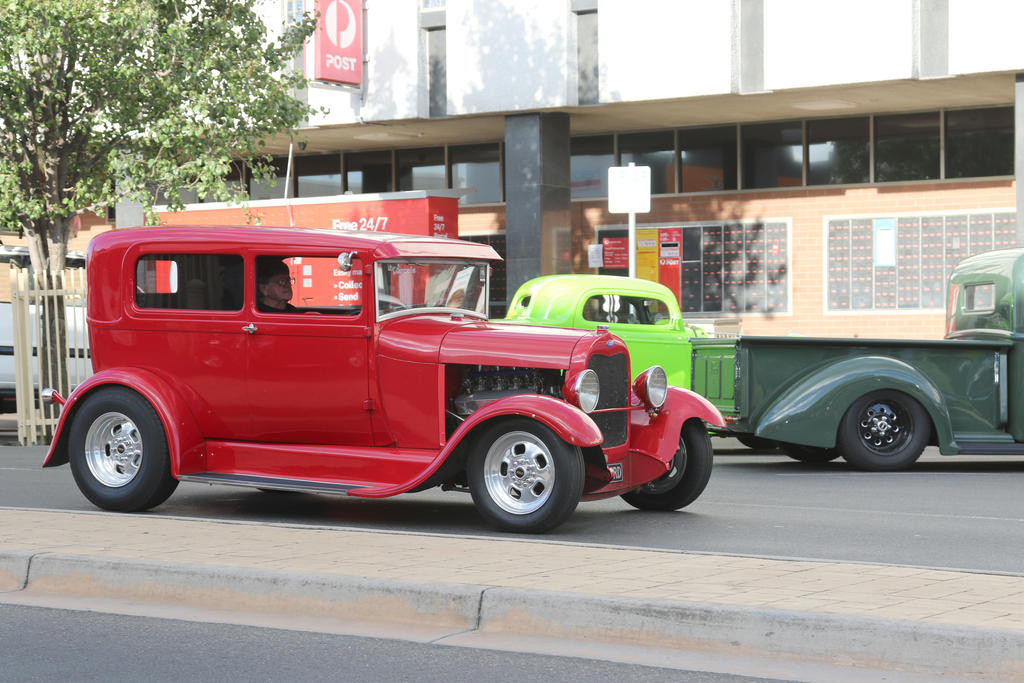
644, 314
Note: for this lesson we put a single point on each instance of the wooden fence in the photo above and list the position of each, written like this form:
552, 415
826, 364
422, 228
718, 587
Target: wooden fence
36, 421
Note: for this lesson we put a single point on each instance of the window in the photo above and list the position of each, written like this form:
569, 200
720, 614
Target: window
210, 282
272, 187
907, 147
979, 142
591, 157
901, 263
772, 155
368, 172
477, 167
614, 308
735, 268
838, 151
980, 298
318, 176
299, 284
421, 169
430, 283
708, 158
656, 150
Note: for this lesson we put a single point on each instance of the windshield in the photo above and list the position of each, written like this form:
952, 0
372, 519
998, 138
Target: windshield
436, 284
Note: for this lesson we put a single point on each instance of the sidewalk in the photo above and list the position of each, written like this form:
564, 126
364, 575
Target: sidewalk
523, 592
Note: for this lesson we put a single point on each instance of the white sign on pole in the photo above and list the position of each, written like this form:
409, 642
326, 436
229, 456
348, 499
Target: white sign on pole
629, 192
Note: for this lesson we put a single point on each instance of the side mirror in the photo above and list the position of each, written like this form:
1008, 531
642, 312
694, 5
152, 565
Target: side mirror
345, 259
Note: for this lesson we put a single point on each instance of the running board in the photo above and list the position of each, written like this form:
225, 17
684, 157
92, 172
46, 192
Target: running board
984, 448
273, 483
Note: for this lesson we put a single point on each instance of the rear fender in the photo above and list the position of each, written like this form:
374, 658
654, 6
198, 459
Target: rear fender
184, 440
810, 411
658, 435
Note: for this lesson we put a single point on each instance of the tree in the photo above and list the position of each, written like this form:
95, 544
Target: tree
107, 100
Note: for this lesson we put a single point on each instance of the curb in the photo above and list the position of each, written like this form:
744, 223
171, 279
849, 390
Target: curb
457, 613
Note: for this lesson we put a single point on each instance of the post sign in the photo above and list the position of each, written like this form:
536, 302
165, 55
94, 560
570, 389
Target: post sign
339, 42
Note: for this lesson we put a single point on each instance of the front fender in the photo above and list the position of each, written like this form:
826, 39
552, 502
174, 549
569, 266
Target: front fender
810, 411
567, 421
658, 435
184, 440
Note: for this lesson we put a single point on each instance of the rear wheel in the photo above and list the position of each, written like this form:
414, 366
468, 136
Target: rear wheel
523, 477
687, 478
883, 431
119, 454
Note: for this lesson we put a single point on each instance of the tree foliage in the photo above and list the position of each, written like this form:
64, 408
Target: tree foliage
104, 100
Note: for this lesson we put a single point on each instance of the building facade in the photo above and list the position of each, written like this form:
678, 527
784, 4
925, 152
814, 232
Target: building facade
817, 166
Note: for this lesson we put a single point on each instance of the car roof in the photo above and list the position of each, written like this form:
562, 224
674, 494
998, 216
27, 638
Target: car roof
560, 285
382, 244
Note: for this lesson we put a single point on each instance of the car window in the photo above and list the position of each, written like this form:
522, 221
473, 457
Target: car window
189, 281
300, 283
631, 310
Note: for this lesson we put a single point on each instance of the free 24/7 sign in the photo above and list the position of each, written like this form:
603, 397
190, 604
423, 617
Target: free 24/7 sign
339, 42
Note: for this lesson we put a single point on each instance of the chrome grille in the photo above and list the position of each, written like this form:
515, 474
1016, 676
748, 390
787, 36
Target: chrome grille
613, 371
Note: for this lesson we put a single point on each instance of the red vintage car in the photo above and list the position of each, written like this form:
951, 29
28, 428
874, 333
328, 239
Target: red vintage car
360, 364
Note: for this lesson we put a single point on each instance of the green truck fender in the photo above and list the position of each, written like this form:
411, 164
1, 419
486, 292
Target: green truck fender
810, 411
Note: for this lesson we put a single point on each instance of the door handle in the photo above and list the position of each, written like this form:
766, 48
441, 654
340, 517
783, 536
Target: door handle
250, 328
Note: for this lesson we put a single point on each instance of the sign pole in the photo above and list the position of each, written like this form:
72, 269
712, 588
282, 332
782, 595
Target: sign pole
632, 243
629, 192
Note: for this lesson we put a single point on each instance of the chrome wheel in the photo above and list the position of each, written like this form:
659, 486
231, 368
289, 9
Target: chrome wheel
113, 449
882, 428
518, 472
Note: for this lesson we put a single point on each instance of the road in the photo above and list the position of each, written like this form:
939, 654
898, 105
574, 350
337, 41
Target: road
956, 513
53, 645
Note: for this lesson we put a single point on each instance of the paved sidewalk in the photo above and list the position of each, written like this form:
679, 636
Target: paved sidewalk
909, 619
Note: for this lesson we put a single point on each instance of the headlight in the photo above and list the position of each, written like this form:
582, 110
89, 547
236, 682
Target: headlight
588, 390
651, 386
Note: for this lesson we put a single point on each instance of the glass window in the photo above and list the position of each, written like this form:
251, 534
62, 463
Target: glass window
632, 310
368, 172
410, 285
772, 155
421, 169
708, 157
318, 176
591, 157
838, 151
979, 142
980, 297
210, 282
656, 150
907, 147
297, 284
477, 167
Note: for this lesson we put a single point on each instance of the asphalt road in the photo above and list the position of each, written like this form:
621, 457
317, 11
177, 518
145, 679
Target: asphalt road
957, 513
59, 645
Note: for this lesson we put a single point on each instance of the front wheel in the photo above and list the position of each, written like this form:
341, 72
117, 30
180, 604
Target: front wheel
687, 478
883, 431
119, 452
523, 477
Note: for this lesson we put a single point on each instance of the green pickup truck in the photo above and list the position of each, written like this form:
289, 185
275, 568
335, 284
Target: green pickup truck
643, 314
879, 402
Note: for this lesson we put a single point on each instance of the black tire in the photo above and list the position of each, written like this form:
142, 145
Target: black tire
883, 431
683, 484
809, 454
523, 477
119, 454
756, 443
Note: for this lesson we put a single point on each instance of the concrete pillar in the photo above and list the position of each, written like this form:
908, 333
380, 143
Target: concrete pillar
537, 209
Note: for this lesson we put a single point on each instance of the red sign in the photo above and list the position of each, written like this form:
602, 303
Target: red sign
616, 252
412, 213
339, 42
669, 271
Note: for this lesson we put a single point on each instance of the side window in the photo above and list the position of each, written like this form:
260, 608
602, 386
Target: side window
980, 297
596, 309
289, 283
211, 282
630, 310
658, 312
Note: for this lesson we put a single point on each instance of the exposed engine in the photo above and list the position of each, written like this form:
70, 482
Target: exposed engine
481, 384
